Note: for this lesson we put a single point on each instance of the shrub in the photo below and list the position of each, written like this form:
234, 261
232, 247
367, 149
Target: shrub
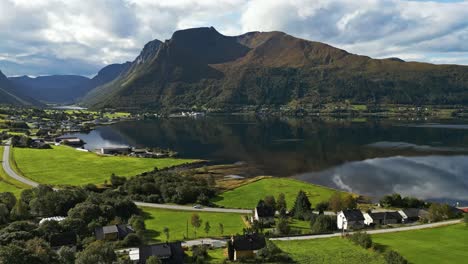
322, 224
393, 257
362, 239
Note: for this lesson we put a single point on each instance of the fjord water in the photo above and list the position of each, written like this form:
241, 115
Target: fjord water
373, 158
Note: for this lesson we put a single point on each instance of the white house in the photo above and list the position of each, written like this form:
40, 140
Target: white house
350, 219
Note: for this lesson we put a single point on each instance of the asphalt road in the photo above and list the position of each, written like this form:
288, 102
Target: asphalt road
190, 208
7, 168
379, 231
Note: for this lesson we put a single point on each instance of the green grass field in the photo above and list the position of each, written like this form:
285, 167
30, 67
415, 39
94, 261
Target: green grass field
67, 166
8, 184
247, 196
176, 221
447, 244
330, 250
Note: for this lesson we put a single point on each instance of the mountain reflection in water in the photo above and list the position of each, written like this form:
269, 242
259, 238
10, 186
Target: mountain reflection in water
436, 178
374, 157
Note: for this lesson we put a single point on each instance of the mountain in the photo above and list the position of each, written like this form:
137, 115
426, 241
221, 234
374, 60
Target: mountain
201, 67
9, 94
64, 89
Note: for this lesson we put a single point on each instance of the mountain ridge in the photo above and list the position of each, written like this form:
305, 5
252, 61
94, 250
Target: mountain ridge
64, 89
10, 95
204, 69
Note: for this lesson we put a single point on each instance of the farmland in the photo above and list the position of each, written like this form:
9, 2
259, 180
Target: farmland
248, 195
438, 245
8, 184
176, 221
66, 166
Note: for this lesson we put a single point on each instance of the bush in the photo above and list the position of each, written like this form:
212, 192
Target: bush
322, 224
272, 253
393, 257
362, 239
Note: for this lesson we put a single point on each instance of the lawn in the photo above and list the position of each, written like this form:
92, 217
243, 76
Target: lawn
66, 166
8, 184
247, 196
329, 250
176, 221
438, 245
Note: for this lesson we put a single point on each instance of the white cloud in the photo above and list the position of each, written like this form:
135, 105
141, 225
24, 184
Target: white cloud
45, 36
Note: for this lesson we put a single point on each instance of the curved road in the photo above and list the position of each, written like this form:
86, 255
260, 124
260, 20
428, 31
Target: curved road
7, 168
378, 231
190, 208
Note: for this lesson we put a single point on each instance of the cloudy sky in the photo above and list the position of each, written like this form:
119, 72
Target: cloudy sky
43, 37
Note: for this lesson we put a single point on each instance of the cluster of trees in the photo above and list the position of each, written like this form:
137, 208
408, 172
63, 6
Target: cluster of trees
440, 212
21, 141
23, 240
395, 200
166, 187
364, 240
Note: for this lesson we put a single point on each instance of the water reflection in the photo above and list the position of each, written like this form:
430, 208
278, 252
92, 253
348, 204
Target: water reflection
374, 157
437, 178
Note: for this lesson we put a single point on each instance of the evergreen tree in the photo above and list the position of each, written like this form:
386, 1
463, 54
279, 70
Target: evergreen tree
302, 206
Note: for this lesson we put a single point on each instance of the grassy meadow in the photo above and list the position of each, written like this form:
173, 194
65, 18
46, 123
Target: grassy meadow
176, 221
447, 244
247, 196
66, 166
329, 250
8, 184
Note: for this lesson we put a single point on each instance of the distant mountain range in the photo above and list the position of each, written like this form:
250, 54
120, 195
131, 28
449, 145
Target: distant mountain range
10, 95
200, 67
63, 89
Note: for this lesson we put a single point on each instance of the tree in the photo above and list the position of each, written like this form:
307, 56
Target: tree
207, 227
338, 202
137, 223
283, 227
221, 228
362, 239
196, 222
392, 257
465, 218
322, 224
20, 211
4, 214
281, 205
321, 207
270, 201
302, 206
166, 232
132, 240
117, 181
97, 252
153, 260
66, 255
8, 199
440, 212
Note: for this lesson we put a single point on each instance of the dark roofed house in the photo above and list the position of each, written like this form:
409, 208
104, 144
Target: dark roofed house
382, 218
246, 246
170, 253
350, 219
112, 232
413, 214
264, 214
